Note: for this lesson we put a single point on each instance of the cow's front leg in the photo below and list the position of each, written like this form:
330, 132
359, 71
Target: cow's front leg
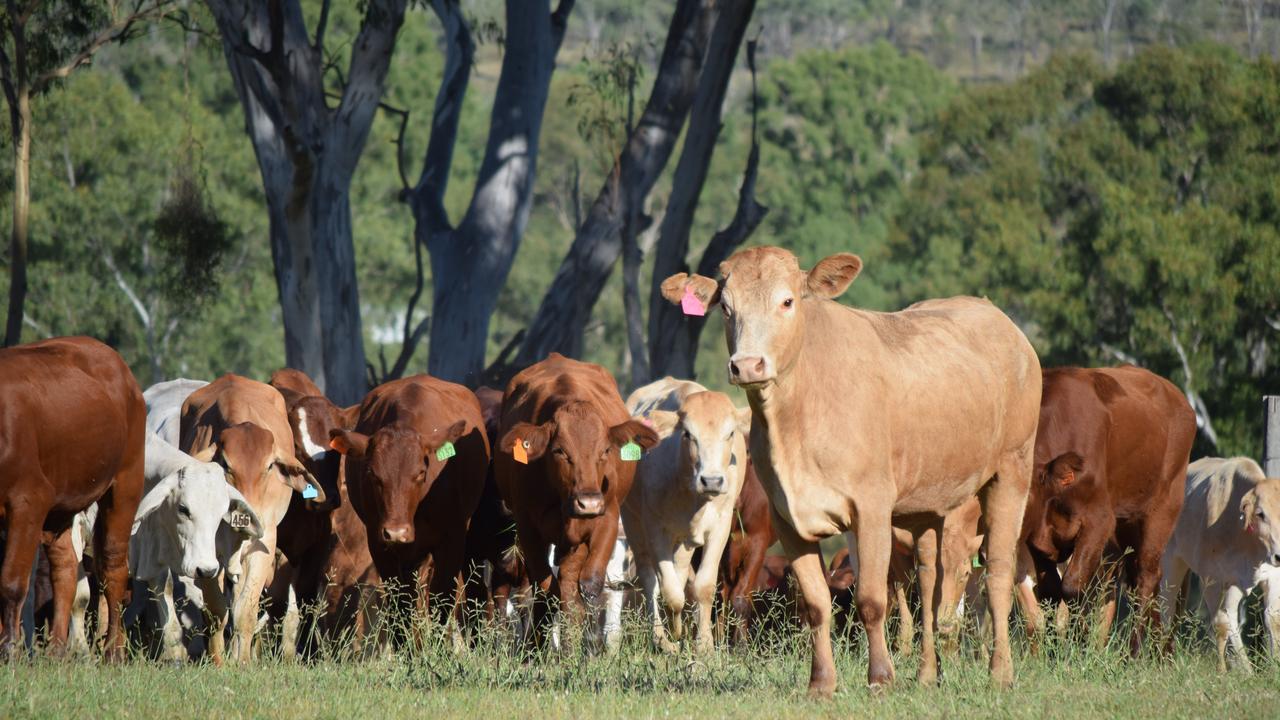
1229, 615
259, 562
704, 587
1271, 611
929, 574
672, 587
806, 563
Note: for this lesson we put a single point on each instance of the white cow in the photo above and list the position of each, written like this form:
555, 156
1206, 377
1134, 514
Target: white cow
683, 498
1229, 535
164, 407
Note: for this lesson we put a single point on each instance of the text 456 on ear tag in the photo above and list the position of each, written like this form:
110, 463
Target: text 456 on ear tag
520, 451
690, 304
630, 452
446, 451
240, 520
309, 493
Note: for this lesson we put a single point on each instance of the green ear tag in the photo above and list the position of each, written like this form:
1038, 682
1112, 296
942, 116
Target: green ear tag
446, 451
977, 561
630, 452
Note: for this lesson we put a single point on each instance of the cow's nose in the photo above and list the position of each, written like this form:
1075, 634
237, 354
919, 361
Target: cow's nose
1275, 559
748, 369
588, 504
711, 484
207, 572
397, 535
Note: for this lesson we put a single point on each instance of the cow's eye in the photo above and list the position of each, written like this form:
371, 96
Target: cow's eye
1259, 515
788, 302
184, 510
605, 454
685, 434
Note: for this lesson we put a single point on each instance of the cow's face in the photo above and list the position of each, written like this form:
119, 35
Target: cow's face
579, 453
1260, 513
763, 294
248, 454
1061, 488
712, 448
395, 468
189, 506
311, 419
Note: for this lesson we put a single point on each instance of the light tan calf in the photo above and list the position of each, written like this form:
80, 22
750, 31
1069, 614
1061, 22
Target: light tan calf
862, 420
1229, 535
241, 424
683, 499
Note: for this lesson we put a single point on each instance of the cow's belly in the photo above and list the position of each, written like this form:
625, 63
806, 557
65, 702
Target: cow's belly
812, 510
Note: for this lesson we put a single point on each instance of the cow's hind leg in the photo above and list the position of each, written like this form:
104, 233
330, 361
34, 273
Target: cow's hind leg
1004, 499
111, 533
22, 537
928, 573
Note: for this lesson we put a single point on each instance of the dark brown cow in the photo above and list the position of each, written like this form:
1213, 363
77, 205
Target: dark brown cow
567, 422
744, 556
326, 551
416, 504
492, 536
1111, 466
72, 424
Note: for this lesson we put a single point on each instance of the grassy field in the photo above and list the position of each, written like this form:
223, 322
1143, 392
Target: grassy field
767, 680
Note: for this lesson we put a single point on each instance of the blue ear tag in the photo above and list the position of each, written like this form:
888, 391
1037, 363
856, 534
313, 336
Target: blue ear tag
309, 492
630, 452
446, 451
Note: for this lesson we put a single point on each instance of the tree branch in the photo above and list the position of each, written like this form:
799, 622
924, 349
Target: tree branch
560, 21
321, 25
141, 309
412, 335
1203, 421
118, 31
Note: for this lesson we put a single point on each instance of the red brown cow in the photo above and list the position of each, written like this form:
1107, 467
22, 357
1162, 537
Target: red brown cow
415, 499
744, 555
326, 551
491, 538
559, 468
72, 424
1111, 467
242, 425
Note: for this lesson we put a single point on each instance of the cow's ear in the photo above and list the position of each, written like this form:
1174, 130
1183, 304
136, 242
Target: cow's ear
1064, 470
437, 439
206, 454
155, 498
633, 431
663, 422
704, 288
1248, 505
240, 510
298, 478
534, 438
833, 275
348, 442
743, 416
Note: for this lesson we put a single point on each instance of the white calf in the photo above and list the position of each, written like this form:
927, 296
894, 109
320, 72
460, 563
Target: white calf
164, 406
683, 498
1229, 535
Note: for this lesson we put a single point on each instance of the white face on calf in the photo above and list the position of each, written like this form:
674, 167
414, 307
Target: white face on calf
189, 506
711, 449
1260, 513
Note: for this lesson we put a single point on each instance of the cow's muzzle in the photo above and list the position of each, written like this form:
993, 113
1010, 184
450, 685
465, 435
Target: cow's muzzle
749, 370
585, 505
711, 485
397, 535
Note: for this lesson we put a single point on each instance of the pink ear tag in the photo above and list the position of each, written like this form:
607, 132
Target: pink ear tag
690, 303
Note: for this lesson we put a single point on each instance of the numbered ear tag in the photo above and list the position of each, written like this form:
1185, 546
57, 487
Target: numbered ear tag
630, 452
977, 561
520, 451
446, 451
240, 520
690, 303
309, 492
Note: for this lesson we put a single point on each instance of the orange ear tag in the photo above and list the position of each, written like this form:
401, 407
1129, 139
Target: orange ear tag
520, 452
1069, 478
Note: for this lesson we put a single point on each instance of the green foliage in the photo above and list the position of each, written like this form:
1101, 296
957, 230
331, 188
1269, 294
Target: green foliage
1131, 215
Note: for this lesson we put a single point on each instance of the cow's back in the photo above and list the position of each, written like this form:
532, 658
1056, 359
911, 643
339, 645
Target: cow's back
535, 393
164, 407
71, 415
231, 400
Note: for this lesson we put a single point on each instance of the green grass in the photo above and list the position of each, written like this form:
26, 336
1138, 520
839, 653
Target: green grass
491, 681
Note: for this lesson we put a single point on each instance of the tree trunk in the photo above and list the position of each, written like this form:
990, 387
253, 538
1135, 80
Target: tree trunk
567, 305
307, 153
1108, 16
20, 117
669, 351
632, 259
470, 263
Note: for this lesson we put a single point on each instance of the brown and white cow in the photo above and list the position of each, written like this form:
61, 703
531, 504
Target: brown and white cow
415, 498
559, 468
865, 419
1111, 468
683, 499
72, 427
1229, 536
241, 424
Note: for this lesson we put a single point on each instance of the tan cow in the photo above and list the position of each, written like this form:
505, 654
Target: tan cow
683, 498
241, 424
1229, 535
862, 420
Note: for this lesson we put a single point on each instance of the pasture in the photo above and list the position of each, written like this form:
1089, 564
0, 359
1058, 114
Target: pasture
1065, 680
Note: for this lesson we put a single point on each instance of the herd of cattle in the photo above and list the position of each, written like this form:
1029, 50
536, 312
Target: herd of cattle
930, 437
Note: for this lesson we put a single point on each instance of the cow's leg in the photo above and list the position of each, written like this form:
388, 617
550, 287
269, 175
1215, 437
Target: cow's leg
215, 611
672, 582
875, 546
1175, 571
1032, 615
1148, 570
22, 538
79, 632
573, 611
648, 572
448, 588
704, 587
542, 583
905, 642
259, 562
111, 533
63, 563
171, 649
1271, 613
752, 562
1232, 599
928, 574
806, 563
1004, 500
1212, 592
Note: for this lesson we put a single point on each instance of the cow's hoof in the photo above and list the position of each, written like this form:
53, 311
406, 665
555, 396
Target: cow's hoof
927, 677
821, 690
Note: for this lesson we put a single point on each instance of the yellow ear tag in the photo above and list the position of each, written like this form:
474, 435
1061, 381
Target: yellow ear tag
630, 452
520, 451
446, 451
